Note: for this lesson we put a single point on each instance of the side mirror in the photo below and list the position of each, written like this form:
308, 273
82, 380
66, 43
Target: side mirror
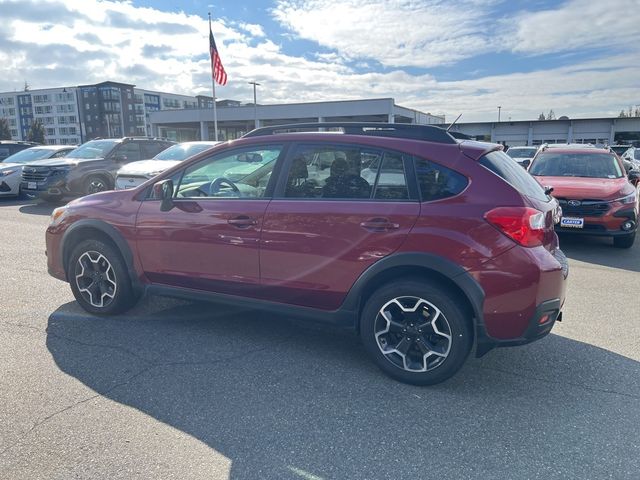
634, 176
164, 191
548, 189
120, 158
526, 163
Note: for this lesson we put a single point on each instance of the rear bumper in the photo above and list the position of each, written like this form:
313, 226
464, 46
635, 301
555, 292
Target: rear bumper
540, 324
524, 290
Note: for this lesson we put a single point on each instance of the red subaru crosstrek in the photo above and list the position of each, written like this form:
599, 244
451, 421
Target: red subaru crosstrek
426, 245
597, 195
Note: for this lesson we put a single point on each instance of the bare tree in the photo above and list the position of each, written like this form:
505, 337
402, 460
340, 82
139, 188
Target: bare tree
5, 131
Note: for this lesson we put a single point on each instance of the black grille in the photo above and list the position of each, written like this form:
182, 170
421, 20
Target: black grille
35, 174
586, 208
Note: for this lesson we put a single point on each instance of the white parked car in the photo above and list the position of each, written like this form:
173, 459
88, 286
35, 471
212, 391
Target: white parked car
522, 155
11, 167
135, 173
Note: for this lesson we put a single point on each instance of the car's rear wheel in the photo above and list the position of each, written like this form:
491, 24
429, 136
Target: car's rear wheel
96, 184
625, 241
99, 278
416, 332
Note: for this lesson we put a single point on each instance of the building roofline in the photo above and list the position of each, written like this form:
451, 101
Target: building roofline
509, 122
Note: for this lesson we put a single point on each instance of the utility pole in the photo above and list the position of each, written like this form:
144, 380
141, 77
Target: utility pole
255, 105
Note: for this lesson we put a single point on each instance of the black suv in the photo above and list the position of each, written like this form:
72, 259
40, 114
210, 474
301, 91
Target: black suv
90, 168
9, 147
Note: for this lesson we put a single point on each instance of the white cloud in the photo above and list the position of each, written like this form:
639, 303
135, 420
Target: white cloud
577, 24
396, 33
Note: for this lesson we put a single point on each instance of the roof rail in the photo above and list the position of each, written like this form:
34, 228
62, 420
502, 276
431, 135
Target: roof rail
428, 133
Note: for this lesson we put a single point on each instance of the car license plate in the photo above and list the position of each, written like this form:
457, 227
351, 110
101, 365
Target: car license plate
572, 222
32, 185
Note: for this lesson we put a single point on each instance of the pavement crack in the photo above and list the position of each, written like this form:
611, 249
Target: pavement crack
36, 425
22, 325
578, 385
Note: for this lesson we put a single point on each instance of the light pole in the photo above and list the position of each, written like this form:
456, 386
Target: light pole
255, 105
499, 108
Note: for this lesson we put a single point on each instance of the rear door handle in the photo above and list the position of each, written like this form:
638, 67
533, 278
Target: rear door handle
379, 225
242, 221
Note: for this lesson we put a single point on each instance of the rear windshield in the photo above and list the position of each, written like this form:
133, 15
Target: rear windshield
504, 166
522, 152
589, 165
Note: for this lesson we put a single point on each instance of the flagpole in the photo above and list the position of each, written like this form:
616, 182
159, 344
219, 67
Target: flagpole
213, 85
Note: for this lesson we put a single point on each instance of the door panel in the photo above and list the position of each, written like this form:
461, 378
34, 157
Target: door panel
210, 239
202, 244
313, 251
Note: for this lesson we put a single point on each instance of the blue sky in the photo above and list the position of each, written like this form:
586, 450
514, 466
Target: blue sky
577, 57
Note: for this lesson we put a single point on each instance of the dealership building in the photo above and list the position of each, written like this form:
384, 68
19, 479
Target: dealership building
235, 119
563, 130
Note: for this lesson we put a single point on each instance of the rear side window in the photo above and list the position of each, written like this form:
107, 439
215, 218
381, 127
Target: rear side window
504, 166
437, 182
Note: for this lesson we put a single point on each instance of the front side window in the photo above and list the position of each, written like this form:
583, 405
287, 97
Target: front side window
129, 151
589, 165
332, 172
237, 174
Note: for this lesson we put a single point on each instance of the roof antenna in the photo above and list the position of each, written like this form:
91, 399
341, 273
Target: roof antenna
454, 122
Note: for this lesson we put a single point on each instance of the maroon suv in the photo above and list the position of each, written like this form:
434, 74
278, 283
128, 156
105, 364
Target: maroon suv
424, 244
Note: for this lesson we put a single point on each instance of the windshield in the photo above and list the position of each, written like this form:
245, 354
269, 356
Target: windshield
589, 165
94, 149
521, 152
620, 149
180, 152
30, 154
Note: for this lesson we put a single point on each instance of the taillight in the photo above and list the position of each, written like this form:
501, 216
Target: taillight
523, 225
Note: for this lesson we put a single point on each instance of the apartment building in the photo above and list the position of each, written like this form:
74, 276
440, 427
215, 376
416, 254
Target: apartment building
74, 114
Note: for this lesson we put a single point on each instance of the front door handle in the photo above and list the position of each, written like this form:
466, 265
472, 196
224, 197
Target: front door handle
242, 221
379, 225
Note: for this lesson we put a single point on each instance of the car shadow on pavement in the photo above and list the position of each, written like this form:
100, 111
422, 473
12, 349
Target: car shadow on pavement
38, 208
600, 251
284, 400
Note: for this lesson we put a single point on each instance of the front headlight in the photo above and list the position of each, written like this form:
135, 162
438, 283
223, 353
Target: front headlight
626, 200
6, 173
58, 215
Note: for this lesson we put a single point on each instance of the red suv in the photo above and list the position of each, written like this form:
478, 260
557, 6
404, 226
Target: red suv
597, 195
425, 245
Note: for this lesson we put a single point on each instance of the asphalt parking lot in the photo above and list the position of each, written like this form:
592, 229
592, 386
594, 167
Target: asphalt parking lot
187, 390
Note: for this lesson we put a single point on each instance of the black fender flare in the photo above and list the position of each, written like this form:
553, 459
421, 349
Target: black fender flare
113, 234
453, 272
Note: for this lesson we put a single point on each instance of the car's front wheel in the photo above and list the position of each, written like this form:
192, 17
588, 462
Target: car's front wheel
96, 184
416, 332
99, 278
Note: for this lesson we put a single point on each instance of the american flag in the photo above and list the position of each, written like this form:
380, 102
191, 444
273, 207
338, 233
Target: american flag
217, 70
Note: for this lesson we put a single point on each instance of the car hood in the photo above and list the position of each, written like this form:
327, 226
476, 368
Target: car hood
145, 167
10, 166
591, 188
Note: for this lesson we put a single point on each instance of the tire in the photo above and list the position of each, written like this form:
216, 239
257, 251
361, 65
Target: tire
96, 269
404, 330
625, 241
96, 184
